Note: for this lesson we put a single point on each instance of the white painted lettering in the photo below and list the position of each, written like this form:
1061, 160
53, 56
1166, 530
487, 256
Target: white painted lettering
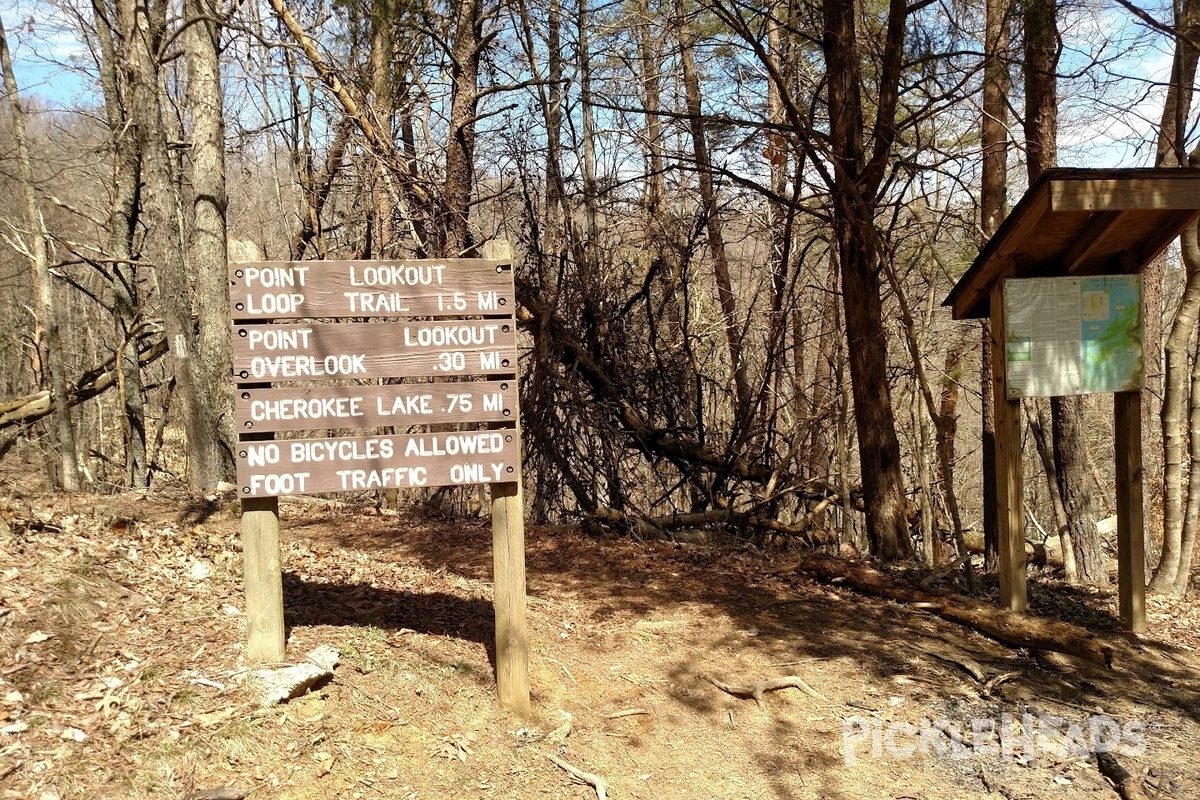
451, 335
274, 303
277, 484
275, 277
397, 275
455, 444
308, 366
368, 303
270, 338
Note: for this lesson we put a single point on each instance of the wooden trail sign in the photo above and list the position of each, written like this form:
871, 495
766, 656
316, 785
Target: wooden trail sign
308, 466
299, 408
307, 373
357, 350
305, 289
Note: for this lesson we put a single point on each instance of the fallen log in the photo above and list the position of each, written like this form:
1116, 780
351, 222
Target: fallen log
663, 526
32, 407
1035, 553
1015, 630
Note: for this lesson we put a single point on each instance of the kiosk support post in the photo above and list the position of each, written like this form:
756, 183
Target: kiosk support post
1010, 494
1131, 555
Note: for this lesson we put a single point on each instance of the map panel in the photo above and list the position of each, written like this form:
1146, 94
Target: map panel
1073, 335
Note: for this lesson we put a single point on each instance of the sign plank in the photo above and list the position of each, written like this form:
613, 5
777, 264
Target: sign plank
316, 407
347, 350
307, 466
418, 288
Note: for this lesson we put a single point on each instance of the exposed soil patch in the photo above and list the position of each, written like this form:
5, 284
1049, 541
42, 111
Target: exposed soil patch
121, 631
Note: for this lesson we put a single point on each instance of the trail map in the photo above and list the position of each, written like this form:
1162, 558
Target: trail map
1073, 335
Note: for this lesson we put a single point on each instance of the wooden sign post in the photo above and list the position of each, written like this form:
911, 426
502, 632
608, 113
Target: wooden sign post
299, 368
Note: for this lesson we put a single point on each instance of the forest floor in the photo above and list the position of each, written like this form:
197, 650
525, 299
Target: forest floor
121, 631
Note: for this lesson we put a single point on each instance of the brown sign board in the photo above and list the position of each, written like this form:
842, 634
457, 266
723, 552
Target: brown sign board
324, 407
306, 466
352, 350
419, 288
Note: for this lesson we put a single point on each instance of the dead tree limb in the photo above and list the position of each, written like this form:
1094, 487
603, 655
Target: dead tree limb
33, 407
626, 712
659, 527
1129, 786
654, 442
1015, 630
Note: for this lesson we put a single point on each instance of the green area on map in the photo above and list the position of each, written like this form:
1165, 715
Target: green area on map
1112, 334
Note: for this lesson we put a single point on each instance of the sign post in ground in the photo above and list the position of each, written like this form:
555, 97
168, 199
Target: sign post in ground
449, 330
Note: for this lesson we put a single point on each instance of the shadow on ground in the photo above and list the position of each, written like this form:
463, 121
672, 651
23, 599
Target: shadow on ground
794, 616
786, 620
310, 603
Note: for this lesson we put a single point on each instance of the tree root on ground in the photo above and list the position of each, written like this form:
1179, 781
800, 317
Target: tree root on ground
595, 781
757, 690
1127, 785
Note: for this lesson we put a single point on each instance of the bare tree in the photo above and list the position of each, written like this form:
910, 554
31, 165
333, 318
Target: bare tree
992, 208
123, 215
33, 246
860, 163
1066, 413
1180, 515
207, 257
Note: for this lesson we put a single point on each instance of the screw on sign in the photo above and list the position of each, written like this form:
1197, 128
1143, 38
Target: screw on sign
299, 366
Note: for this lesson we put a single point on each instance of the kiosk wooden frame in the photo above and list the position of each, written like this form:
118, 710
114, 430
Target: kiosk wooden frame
1076, 222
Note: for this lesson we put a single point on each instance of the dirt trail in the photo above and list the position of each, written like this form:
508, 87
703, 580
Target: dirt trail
120, 633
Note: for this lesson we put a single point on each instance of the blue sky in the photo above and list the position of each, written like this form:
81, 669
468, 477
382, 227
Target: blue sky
44, 46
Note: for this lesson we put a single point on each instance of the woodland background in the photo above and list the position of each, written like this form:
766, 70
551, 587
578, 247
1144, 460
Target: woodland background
734, 224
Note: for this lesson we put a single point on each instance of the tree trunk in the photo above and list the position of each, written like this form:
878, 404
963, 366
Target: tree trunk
1045, 451
1066, 413
460, 150
1191, 516
383, 104
1175, 402
945, 439
208, 258
591, 212
123, 218
1169, 575
1041, 86
67, 472
992, 207
947, 433
856, 182
1066, 420
143, 26
712, 217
